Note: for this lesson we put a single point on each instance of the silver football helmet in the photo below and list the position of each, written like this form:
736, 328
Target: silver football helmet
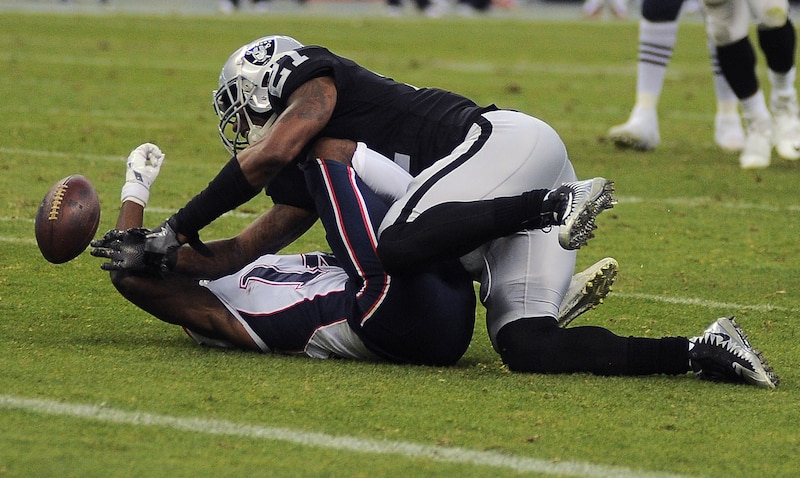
241, 102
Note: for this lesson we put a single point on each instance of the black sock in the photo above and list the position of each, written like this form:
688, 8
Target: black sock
737, 62
668, 355
538, 345
778, 45
530, 210
443, 232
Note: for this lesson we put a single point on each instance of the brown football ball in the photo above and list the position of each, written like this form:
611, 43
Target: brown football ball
67, 219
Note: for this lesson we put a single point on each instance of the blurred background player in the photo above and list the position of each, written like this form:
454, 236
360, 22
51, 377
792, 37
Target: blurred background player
429, 8
728, 24
593, 8
230, 6
658, 34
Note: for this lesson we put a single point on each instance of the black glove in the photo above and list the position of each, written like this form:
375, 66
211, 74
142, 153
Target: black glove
165, 239
127, 251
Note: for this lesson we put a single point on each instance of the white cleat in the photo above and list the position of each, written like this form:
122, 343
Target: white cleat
757, 152
639, 132
583, 201
786, 125
724, 354
587, 290
729, 133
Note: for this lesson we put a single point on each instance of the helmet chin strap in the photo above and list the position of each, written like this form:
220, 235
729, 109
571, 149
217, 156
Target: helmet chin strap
255, 133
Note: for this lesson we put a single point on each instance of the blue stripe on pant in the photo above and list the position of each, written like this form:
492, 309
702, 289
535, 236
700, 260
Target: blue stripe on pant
426, 317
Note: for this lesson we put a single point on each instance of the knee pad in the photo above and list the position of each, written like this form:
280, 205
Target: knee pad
771, 13
727, 22
525, 345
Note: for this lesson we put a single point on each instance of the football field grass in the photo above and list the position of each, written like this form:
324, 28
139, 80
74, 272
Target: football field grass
90, 386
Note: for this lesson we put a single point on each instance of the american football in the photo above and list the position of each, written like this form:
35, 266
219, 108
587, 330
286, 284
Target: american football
67, 219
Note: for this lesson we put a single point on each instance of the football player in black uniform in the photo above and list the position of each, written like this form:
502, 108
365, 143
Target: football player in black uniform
494, 186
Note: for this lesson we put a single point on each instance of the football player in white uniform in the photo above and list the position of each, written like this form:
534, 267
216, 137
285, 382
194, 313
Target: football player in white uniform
473, 170
658, 34
313, 303
321, 305
728, 24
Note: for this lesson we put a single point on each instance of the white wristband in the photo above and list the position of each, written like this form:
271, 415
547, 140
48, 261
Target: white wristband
136, 192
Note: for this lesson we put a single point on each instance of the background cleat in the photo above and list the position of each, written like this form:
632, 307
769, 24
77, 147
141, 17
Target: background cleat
757, 152
729, 133
785, 125
639, 132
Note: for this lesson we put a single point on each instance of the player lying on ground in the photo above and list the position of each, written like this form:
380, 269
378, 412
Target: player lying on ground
323, 305
311, 303
721, 353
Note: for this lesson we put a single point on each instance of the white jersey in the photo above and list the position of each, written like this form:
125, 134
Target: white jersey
292, 304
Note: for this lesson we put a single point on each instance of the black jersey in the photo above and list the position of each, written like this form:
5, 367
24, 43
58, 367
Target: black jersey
412, 126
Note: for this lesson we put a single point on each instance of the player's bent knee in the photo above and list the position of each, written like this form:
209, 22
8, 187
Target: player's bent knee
773, 18
524, 345
724, 27
393, 252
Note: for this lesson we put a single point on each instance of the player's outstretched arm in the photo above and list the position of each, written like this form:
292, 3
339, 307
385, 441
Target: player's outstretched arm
271, 232
308, 110
177, 300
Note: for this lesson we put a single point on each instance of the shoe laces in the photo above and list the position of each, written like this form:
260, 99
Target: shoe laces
557, 205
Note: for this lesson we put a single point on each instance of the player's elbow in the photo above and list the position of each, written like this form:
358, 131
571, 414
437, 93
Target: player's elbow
129, 285
121, 280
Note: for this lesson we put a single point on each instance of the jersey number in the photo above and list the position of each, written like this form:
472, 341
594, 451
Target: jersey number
276, 81
272, 275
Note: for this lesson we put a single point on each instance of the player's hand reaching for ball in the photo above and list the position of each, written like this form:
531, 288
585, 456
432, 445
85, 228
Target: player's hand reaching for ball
127, 251
143, 166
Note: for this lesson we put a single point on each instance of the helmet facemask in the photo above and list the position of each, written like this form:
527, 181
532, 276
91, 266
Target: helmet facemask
238, 122
241, 102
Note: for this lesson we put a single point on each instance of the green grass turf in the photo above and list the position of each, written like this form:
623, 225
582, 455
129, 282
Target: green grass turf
696, 238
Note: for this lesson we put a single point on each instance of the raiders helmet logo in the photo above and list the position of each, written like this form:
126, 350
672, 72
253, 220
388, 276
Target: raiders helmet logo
261, 53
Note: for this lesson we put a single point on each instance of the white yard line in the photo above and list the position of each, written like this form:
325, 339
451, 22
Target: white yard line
412, 450
710, 304
60, 154
19, 240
